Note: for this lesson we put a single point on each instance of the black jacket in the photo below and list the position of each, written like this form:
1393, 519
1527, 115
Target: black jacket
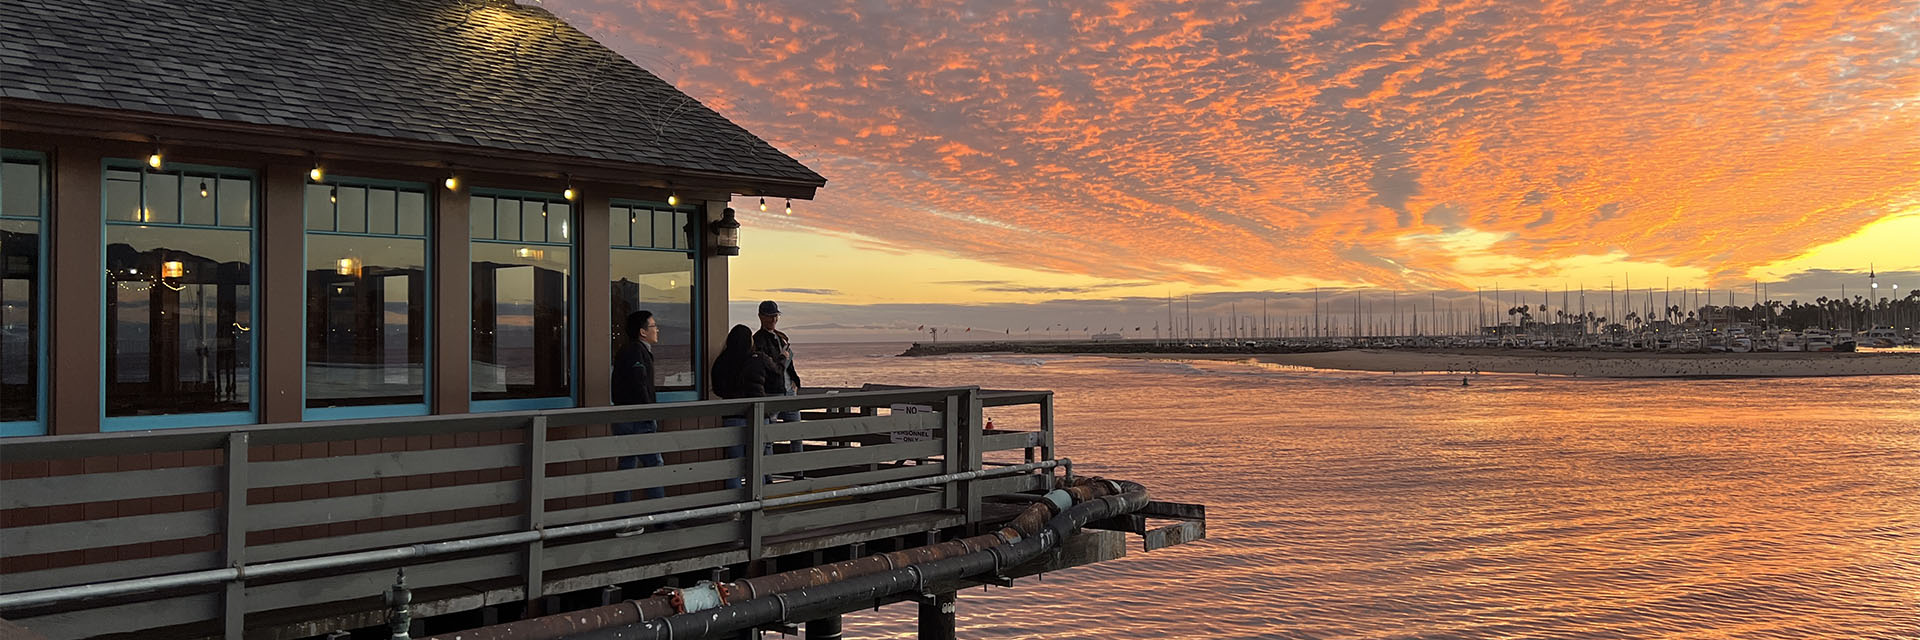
777, 348
750, 377
633, 374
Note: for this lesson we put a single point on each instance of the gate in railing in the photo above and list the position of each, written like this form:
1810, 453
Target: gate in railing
80, 510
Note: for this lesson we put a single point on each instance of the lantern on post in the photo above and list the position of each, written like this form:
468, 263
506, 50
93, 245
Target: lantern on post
726, 233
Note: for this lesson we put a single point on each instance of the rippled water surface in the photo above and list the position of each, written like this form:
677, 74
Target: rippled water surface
1358, 505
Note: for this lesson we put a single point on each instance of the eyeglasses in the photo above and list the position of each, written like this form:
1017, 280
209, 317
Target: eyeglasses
650, 327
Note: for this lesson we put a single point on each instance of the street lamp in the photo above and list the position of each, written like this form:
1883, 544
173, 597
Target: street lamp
726, 233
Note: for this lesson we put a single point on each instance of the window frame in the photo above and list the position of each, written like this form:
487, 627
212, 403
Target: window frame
184, 420
37, 426
424, 406
572, 244
697, 332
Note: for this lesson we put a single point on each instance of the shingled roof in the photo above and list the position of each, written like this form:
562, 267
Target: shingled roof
482, 73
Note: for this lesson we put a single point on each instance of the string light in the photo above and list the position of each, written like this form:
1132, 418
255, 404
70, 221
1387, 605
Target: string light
315, 174
452, 183
154, 160
673, 199
333, 195
203, 188
763, 205
568, 193
789, 206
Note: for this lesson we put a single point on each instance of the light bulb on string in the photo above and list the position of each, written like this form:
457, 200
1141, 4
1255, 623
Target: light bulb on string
673, 200
569, 194
333, 195
154, 160
203, 188
315, 174
452, 183
763, 205
789, 206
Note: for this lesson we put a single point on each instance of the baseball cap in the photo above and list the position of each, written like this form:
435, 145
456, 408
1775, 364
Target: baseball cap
768, 308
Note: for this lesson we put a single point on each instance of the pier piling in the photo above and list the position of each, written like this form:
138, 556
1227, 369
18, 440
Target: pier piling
936, 616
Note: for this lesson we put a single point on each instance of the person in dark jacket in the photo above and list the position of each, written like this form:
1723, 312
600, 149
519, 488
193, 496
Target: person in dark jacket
633, 384
741, 372
773, 342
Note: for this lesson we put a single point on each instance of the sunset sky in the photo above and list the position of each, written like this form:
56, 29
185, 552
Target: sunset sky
996, 153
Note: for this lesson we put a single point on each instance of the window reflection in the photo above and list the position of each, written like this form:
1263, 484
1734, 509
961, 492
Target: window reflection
522, 269
649, 274
21, 297
179, 320
366, 297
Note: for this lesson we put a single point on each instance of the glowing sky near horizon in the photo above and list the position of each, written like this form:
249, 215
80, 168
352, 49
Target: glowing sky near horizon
1094, 149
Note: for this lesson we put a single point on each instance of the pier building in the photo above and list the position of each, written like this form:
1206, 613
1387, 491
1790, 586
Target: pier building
301, 298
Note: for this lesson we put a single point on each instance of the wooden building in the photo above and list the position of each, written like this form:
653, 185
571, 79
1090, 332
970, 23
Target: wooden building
296, 294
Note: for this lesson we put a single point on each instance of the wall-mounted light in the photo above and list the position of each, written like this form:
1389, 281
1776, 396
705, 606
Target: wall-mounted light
347, 267
726, 233
172, 269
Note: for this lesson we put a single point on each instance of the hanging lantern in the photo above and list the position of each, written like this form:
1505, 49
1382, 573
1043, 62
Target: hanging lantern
726, 233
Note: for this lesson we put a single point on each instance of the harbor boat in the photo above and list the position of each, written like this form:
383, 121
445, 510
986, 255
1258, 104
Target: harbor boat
1793, 341
1843, 341
1880, 338
1818, 340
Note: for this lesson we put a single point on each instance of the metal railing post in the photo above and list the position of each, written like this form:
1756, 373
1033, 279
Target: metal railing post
536, 504
756, 476
1046, 430
234, 553
951, 458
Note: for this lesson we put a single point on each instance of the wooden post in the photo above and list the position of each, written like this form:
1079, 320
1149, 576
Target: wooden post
452, 298
536, 502
233, 604
282, 290
596, 323
936, 616
79, 297
756, 478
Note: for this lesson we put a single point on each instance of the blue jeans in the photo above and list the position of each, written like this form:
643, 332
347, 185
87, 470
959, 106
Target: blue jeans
642, 460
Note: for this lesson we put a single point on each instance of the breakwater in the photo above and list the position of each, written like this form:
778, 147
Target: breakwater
1110, 347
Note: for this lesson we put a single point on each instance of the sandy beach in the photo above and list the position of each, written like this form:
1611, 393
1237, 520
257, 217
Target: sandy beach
1593, 364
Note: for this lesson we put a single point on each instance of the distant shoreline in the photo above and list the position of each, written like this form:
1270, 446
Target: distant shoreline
1589, 364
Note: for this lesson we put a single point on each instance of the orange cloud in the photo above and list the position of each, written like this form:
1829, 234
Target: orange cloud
1210, 143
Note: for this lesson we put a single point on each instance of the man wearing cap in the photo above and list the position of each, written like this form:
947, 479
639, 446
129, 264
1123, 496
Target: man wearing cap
774, 343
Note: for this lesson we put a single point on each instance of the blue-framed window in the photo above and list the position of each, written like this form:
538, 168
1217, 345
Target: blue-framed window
23, 299
654, 268
367, 288
522, 312
179, 269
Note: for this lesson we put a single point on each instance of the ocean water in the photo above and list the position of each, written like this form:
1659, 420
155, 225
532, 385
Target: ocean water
1360, 505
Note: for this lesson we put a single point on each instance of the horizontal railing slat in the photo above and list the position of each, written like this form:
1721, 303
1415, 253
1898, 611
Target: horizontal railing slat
278, 515
383, 539
661, 442
637, 478
100, 487
107, 571
853, 426
1010, 484
826, 483
648, 543
385, 465
123, 618
366, 585
847, 456
1006, 441
108, 532
786, 521
643, 506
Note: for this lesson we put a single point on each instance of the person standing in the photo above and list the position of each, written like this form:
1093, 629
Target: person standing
633, 384
741, 372
774, 343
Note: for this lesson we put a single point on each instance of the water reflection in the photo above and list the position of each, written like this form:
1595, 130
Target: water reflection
1355, 505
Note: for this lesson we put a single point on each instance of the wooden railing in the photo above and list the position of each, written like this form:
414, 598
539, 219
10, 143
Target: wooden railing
85, 509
